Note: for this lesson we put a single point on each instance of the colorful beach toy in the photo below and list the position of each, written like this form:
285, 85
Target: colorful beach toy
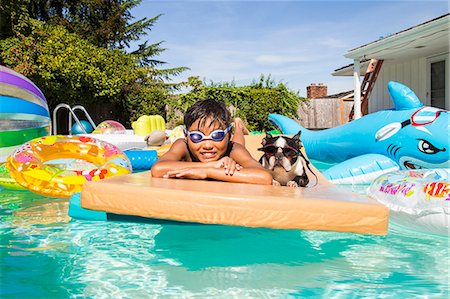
33, 164
24, 113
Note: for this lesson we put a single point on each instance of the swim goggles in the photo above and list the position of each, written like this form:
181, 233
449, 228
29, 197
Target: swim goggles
422, 117
425, 116
217, 135
272, 149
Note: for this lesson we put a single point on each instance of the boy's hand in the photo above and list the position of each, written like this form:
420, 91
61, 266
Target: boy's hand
196, 173
228, 164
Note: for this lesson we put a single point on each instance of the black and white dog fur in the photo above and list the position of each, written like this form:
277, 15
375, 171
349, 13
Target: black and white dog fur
283, 159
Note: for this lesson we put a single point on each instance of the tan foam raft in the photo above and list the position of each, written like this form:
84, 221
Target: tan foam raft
322, 207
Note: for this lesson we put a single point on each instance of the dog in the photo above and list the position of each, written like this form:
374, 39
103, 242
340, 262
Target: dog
284, 160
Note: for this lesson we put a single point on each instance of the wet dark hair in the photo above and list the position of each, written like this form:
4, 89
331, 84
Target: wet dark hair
208, 108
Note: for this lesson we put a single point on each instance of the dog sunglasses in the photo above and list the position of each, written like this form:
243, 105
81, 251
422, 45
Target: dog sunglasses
272, 149
217, 135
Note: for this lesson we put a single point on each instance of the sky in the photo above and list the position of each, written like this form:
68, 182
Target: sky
295, 42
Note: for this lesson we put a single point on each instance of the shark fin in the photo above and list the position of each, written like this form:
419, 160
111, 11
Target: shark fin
285, 124
403, 97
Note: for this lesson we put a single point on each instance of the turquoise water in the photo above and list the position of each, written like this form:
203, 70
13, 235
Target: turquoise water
45, 254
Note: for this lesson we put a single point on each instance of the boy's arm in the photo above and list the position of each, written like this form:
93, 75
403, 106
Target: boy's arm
172, 165
245, 175
251, 175
174, 159
241, 155
251, 172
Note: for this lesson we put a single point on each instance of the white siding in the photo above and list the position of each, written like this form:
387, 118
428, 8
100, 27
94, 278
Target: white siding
412, 73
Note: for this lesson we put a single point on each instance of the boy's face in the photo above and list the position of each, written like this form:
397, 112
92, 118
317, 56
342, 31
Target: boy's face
207, 150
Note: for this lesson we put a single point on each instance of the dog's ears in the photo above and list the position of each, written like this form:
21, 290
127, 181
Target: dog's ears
297, 136
264, 140
297, 139
268, 135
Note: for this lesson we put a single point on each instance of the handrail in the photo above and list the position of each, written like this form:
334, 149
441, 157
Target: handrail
71, 114
79, 107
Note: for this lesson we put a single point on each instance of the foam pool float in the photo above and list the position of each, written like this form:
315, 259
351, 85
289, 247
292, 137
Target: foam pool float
31, 164
322, 207
418, 199
409, 136
24, 113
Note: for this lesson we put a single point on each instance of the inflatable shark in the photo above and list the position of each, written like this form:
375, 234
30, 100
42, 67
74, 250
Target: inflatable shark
408, 136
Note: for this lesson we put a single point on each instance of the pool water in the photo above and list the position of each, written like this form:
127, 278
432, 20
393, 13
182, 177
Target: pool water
45, 254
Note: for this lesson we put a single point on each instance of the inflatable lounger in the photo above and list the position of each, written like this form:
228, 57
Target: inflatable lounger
322, 207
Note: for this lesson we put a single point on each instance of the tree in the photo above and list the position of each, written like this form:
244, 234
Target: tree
252, 102
73, 50
105, 23
69, 69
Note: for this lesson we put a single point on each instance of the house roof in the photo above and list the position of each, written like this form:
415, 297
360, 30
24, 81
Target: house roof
341, 95
422, 40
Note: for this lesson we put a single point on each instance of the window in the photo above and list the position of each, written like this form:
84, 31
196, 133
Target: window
437, 78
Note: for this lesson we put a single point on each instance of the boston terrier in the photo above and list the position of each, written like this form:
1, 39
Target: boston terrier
284, 160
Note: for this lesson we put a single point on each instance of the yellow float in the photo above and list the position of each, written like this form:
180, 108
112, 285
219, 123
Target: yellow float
31, 164
147, 124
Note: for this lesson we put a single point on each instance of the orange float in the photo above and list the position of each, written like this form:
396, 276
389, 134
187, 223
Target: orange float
322, 207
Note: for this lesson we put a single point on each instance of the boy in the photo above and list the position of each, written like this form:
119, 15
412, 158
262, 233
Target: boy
208, 141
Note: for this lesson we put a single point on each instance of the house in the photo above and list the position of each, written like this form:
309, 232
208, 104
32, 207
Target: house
417, 57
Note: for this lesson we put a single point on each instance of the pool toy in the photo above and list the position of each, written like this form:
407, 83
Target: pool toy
418, 199
6, 181
148, 123
24, 112
31, 164
409, 136
156, 138
142, 159
110, 127
323, 207
76, 129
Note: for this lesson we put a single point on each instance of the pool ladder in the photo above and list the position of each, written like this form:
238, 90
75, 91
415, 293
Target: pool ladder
72, 115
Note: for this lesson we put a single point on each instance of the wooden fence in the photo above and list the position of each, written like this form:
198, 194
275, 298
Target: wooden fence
323, 113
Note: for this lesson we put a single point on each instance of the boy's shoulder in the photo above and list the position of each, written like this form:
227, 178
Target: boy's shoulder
180, 141
179, 145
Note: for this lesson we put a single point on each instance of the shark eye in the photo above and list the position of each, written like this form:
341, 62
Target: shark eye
427, 148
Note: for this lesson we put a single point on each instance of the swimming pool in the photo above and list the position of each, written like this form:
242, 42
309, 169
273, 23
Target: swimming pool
45, 254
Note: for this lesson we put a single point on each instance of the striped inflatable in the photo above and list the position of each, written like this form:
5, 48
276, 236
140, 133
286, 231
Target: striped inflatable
24, 113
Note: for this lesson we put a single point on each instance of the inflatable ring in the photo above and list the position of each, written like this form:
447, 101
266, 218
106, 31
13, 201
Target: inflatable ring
28, 164
417, 199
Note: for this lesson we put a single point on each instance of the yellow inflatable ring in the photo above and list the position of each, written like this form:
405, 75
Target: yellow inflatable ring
27, 164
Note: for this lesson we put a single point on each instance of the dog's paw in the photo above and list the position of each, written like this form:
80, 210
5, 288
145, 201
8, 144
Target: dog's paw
275, 183
292, 184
